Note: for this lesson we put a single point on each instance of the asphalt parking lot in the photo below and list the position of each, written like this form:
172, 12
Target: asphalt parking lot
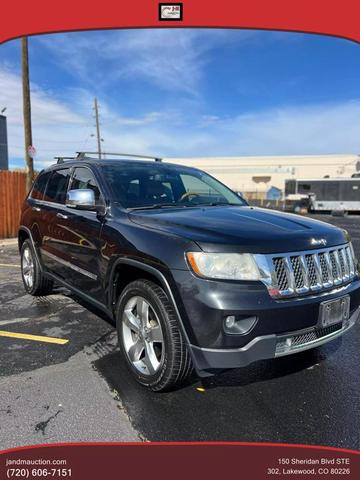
81, 391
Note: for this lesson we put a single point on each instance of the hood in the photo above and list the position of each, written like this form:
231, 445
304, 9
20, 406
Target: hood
242, 229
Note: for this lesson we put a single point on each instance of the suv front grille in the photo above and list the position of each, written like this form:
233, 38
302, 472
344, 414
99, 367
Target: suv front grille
312, 271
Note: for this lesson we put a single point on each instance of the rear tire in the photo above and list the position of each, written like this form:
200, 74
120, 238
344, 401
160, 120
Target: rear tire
34, 281
150, 338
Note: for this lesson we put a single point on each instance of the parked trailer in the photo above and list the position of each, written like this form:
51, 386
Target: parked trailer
323, 195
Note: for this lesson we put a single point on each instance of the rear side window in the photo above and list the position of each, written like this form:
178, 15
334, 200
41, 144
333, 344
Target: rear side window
39, 187
57, 186
84, 178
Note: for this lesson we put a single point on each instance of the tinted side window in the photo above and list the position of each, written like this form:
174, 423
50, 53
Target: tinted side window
290, 187
304, 187
40, 185
84, 178
194, 184
57, 186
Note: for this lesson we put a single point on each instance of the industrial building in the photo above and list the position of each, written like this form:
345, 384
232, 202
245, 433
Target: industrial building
263, 177
4, 157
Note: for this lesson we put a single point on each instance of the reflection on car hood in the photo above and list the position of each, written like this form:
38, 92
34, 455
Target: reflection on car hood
246, 229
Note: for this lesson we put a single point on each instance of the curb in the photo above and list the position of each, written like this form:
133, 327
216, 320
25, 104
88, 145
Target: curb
4, 242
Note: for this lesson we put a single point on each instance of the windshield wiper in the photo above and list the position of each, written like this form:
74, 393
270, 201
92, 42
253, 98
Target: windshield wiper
217, 204
158, 205
183, 205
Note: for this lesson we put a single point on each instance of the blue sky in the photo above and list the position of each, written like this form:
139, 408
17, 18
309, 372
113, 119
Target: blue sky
186, 92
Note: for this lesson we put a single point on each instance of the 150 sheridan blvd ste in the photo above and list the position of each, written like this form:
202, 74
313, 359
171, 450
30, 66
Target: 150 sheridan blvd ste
192, 275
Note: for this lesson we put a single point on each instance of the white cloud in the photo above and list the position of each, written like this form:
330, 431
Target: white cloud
63, 125
313, 129
170, 59
52, 120
46, 112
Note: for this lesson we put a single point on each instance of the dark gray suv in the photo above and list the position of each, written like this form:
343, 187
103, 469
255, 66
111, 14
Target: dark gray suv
192, 275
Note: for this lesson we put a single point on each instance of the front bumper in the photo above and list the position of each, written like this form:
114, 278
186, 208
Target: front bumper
268, 346
204, 305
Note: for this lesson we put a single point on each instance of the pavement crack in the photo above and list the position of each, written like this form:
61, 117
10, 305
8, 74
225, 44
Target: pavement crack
6, 410
41, 426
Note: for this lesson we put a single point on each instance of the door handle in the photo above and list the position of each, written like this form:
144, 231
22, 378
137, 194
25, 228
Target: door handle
61, 215
36, 209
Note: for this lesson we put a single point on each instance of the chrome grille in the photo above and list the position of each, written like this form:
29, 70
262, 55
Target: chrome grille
334, 266
325, 274
298, 273
302, 339
282, 280
312, 271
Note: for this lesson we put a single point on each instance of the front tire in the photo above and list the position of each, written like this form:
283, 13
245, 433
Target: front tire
149, 337
34, 281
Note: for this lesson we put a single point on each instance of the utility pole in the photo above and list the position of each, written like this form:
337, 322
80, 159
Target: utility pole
97, 126
27, 111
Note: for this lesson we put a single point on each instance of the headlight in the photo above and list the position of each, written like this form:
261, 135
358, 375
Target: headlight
227, 266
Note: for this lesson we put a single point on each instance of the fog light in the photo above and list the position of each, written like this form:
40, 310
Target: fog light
288, 343
284, 345
239, 325
230, 322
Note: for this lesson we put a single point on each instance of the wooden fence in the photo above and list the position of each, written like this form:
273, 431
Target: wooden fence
12, 194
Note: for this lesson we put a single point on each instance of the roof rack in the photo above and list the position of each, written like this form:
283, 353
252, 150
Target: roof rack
61, 159
82, 155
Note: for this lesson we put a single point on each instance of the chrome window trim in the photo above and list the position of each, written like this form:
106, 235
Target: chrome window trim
102, 196
68, 264
72, 169
43, 172
47, 183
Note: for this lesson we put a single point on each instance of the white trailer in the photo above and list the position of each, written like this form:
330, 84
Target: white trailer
325, 194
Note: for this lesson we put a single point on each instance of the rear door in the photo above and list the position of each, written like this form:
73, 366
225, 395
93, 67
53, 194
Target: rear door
34, 217
55, 234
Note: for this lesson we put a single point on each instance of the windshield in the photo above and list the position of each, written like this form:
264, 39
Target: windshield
157, 186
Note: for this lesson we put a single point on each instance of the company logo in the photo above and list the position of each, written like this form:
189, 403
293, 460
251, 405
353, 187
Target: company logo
318, 242
171, 11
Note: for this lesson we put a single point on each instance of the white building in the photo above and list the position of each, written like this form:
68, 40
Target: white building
255, 176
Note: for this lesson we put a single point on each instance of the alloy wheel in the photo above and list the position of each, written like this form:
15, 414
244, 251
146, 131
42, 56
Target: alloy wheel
142, 336
27, 266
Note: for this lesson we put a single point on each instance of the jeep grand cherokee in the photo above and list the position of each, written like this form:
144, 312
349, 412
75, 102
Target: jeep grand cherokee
192, 275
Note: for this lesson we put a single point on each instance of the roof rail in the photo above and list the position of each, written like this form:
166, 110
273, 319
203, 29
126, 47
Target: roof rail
61, 159
82, 155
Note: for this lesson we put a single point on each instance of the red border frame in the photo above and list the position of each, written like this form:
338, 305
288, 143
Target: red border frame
149, 444
330, 17
211, 459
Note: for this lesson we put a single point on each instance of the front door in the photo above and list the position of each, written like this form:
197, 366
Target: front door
84, 229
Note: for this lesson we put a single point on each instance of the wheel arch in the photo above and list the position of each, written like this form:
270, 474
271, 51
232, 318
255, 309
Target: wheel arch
137, 270
23, 234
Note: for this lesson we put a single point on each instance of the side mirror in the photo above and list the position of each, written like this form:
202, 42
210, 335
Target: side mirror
82, 199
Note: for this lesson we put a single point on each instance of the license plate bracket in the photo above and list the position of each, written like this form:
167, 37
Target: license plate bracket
334, 311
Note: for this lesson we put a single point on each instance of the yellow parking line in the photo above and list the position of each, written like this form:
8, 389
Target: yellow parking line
9, 265
35, 338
